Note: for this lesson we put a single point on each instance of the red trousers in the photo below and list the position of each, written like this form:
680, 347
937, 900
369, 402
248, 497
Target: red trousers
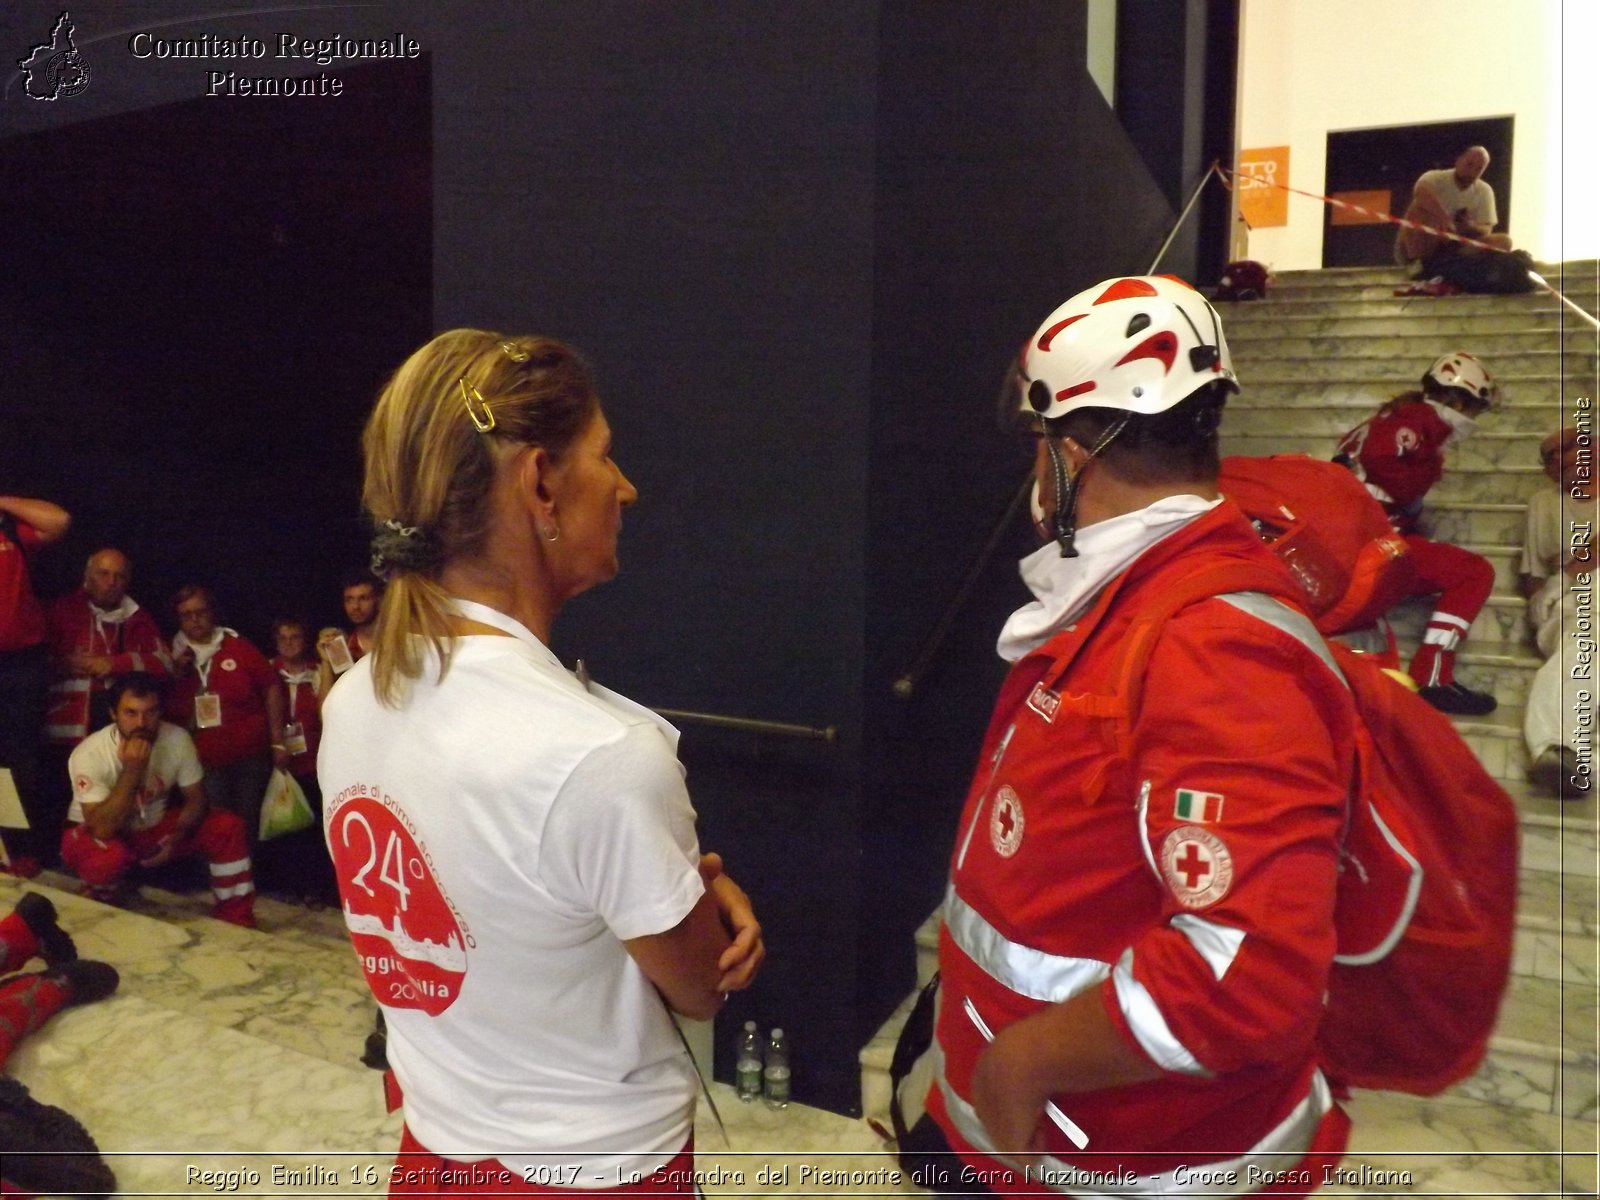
419, 1172
1463, 581
220, 838
28, 1002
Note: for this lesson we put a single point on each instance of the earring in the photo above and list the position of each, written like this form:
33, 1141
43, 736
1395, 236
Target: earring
549, 530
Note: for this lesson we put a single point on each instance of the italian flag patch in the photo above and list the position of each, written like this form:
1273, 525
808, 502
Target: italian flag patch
1201, 807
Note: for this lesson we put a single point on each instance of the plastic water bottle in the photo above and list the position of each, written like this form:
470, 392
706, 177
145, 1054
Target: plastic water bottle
747, 1068
775, 1077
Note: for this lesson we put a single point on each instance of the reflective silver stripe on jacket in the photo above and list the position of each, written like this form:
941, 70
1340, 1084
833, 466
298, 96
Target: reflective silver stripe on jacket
1293, 1136
1280, 616
1020, 969
1149, 1024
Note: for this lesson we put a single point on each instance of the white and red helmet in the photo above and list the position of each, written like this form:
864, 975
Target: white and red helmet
1464, 371
1141, 343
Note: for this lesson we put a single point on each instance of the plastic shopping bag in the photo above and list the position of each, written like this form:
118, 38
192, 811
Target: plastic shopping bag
285, 808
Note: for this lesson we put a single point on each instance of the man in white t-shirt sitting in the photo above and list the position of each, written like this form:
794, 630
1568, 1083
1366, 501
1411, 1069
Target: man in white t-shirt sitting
1456, 198
1557, 570
121, 815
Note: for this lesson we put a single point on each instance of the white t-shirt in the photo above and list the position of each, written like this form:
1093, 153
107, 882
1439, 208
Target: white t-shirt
1477, 197
496, 840
94, 767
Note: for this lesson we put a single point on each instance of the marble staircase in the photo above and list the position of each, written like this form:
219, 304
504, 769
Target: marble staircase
1314, 360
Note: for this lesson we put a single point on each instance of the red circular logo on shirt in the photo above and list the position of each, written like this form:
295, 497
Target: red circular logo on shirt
411, 946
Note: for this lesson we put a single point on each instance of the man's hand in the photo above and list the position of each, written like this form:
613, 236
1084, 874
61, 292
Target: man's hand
741, 961
163, 854
1006, 1091
94, 666
134, 752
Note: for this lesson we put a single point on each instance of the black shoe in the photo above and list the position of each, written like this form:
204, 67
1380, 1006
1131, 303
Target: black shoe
1459, 701
1555, 770
47, 1151
87, 980
39, 915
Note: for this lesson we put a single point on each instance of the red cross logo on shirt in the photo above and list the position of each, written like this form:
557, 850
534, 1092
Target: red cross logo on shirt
1006, 823
1196, 865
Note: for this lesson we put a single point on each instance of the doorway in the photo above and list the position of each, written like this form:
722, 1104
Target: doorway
1377, 168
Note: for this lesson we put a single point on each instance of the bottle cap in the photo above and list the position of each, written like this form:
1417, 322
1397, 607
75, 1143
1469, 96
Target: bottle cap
750, 1026
777, 1033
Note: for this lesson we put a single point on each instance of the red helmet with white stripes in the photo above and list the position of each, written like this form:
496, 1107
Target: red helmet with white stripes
1464, 372
1141, 343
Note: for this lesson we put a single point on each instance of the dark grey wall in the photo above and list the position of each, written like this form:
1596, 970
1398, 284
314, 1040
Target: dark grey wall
799, 243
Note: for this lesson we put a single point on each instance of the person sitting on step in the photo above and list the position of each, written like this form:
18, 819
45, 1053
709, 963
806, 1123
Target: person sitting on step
46, 1150
1558, 563
122, 815
1398, 453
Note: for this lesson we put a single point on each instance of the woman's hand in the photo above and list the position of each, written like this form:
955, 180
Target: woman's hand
741, 961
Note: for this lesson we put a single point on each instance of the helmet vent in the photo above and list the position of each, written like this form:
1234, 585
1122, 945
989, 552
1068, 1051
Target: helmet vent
1138, 324
1038, 395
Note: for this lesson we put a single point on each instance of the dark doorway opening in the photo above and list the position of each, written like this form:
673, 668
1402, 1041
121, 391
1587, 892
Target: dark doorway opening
203, 299
1367, 165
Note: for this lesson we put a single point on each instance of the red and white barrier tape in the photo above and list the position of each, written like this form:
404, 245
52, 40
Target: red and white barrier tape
1224, 174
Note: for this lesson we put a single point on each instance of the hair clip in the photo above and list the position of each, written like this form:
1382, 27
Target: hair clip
514, 352
485, 423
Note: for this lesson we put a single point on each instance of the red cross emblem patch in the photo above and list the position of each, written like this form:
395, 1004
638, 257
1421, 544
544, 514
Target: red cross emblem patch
1196, 865
1005, 823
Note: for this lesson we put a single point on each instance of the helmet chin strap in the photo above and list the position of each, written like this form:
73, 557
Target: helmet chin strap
1066, 485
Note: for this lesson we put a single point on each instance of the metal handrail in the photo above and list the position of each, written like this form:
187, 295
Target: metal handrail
905, 685
815, 733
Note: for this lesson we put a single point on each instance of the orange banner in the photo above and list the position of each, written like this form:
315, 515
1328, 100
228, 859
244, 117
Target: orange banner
1262, 175
1376, 201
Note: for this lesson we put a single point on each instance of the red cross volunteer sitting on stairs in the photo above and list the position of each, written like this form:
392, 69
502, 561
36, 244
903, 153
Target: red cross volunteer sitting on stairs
1138, 929
1398, 453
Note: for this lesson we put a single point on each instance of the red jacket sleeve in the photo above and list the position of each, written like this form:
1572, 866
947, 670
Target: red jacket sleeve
143, 648
1244, 753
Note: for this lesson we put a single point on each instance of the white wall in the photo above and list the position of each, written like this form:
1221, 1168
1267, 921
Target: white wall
1311, 67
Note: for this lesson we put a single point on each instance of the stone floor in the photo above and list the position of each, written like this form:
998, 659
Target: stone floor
227, 1063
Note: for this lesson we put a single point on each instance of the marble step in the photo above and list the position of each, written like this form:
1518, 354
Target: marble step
1571, 271
1416, 346
1322, 425
1508, 483
1487, 450
1467, 522
1262, 383
1249, 323
1379, 301
1406, 369
1499, 629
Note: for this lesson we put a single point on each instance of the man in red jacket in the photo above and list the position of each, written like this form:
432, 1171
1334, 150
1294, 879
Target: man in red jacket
1137, 938
97, 634
1398, 453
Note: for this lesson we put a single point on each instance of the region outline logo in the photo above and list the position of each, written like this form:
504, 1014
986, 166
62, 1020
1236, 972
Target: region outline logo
55, 68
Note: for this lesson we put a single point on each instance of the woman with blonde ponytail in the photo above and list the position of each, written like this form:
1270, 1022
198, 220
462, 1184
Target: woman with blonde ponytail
515, 848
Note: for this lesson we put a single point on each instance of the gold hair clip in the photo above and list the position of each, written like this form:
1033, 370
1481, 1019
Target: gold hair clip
485, 423
514, 352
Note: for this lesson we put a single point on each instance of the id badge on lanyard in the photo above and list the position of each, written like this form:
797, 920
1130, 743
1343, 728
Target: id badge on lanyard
207, 705
294, 739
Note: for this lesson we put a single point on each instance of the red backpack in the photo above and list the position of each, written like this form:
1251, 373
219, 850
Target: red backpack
1428, 871
1328, 530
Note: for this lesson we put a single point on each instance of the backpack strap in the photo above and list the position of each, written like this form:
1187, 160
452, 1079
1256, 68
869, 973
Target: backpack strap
1242, 584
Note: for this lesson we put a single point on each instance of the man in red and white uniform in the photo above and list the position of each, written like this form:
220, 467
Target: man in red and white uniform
1137, 937
96, 633
1398, 453
25, 525
122, 815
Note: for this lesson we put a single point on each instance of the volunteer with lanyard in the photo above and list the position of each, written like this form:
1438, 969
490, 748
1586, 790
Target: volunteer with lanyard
515, 847
299, 861
232, 700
